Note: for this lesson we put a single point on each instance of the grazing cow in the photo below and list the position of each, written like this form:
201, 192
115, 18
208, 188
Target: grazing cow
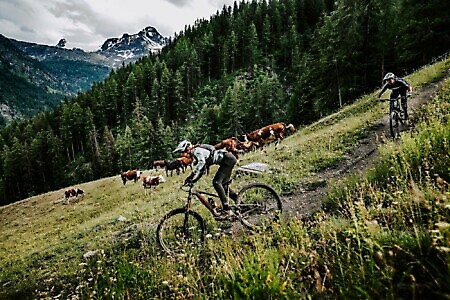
247, 146
152, 182
159, 163
130, 175
72, 193
268, 134
185, 162
173, 165
232, 145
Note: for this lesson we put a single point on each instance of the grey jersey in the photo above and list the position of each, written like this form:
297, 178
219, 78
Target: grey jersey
200, 156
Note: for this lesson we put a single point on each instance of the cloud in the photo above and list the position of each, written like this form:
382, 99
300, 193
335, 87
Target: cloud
179, 3
87, 24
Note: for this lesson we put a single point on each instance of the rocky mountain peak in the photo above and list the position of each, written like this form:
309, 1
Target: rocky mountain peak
130, 47
62, 43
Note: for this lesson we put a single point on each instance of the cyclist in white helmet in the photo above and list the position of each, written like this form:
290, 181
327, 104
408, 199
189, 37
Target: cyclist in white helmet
399, 86
205, 155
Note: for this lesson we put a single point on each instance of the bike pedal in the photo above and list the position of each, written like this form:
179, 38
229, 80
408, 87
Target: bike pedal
226, 217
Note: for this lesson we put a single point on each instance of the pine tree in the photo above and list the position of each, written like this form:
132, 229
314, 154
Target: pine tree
111, 99
124, 147
231, 110
14, 168
251, 48
108, 152
180, 104
164, 94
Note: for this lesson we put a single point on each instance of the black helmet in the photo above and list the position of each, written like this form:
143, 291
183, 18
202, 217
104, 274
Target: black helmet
182, 146
388, 76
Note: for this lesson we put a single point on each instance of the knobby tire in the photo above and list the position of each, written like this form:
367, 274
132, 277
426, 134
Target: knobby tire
259, 205
180, 230
394, 124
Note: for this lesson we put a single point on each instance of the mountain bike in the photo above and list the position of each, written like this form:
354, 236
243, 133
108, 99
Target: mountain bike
256, 206
397, 116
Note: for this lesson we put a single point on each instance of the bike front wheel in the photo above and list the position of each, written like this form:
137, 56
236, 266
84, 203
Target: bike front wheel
180, 230
258, 205
394, 123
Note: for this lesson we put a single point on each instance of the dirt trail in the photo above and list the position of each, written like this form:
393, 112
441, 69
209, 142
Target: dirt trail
307, 198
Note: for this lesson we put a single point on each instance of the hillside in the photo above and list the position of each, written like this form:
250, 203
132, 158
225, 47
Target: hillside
306, 198
247, 66
46, 245
39, 89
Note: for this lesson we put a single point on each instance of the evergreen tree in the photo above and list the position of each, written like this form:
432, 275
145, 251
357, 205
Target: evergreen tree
108, 152
231, 110
180, 104
232, 44
164, 93
156, 106
111, 99
130, 94
14, 168
124, 148
422, 25
252, 53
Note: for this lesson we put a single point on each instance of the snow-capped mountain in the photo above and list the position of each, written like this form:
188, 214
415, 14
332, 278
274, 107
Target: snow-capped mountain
114, 51
129, 48
36, 77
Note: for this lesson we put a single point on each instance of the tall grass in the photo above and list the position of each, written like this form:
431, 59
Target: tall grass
386, 236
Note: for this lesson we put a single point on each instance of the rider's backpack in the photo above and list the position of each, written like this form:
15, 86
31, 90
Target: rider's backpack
209, 160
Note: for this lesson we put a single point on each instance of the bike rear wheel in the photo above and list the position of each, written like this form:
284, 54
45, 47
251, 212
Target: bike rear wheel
258, 205
394, 123
180, 230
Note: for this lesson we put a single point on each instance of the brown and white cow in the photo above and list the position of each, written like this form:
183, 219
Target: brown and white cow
152, 182
268, 134
74, 192
130, 175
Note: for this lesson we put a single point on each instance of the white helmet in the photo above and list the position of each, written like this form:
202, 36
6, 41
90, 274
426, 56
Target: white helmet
182, 146
388, 76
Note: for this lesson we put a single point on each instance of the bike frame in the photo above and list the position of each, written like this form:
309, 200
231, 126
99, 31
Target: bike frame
397, 115
254, 214
395, 105
199, 194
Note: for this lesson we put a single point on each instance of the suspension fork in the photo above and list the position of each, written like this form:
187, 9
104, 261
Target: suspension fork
187, 208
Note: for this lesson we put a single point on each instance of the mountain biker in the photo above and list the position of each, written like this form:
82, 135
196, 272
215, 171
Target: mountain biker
399, 86
205, 155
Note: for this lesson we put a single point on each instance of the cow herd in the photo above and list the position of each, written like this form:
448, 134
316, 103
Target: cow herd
252, 141
255, 139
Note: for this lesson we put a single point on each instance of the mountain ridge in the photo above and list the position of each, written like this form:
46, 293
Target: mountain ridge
38, 77
125, 48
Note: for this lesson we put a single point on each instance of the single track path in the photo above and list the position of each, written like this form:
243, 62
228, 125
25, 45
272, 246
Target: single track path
307, 198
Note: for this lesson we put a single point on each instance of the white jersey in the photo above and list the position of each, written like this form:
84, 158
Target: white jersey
202, 159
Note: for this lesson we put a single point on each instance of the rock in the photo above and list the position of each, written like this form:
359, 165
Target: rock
90, 253
255, 168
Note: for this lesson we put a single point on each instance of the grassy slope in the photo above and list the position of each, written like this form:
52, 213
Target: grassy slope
43, 239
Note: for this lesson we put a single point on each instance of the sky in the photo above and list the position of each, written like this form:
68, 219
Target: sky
86, 24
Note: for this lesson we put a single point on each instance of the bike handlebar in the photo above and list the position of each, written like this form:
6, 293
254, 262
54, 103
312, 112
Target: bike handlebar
186, 187
385, 100
389, 99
